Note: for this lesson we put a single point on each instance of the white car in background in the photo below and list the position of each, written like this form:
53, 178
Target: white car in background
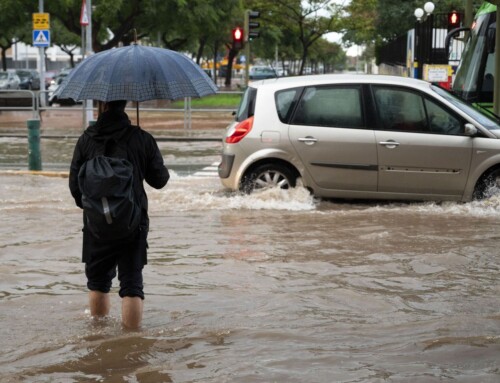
9, 80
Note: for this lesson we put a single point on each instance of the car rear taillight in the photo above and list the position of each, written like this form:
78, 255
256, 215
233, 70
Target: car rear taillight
239, 131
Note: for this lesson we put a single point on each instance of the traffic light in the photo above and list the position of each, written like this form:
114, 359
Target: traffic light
251, 31
237, 38
454, 20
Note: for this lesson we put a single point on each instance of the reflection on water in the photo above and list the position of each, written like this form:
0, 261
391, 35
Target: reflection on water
272, 287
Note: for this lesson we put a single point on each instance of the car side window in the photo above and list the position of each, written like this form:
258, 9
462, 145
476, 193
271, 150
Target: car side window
338, 106
400, 110
441, 121
285, 102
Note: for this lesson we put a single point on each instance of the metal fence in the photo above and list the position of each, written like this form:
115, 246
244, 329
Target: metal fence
36, 102
426, 42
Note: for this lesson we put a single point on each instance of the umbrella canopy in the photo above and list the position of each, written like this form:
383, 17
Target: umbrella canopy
136, 73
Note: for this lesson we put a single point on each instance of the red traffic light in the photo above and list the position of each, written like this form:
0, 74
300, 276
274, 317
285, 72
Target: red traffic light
454, 19
237, 34
237, 38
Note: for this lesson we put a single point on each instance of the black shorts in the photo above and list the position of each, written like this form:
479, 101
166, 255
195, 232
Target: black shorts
102, 258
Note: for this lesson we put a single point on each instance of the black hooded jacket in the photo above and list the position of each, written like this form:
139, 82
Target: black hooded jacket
142, 152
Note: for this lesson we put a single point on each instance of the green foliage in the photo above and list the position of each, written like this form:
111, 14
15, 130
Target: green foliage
201, 27
16, 25
293, 26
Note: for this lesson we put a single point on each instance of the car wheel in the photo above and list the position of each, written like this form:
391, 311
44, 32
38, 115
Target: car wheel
488, 185
268, 176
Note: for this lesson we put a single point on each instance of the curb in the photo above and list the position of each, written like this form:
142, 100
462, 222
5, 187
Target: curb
158, 138
63, 174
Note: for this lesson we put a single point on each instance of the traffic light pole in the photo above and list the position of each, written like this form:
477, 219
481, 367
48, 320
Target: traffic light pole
246, 42
251, 32
41, 54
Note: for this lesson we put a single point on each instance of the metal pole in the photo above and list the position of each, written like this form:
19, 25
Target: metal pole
41, 54
468, 13
246, 41
89, 113
187, 113
34, 154
84, 112
418, 49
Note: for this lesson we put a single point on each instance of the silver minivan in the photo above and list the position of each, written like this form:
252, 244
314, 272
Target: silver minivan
361, 136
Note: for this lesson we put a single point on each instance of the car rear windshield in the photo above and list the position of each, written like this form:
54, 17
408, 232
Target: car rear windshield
247, 105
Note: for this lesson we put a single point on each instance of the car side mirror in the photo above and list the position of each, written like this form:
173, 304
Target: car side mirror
470, 130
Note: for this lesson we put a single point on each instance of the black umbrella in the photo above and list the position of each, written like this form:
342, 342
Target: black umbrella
136, 73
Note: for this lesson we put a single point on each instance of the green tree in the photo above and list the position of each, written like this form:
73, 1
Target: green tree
330, 56
308, 21
378, 21
69, 42
112, 21
16, 25
373, 23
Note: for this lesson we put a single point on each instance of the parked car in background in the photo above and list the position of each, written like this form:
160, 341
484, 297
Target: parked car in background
30, 79
49, 77
261, 73
361, 136
54, 85
9, 80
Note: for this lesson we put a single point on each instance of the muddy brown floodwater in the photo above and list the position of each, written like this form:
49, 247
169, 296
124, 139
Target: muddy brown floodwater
272, 287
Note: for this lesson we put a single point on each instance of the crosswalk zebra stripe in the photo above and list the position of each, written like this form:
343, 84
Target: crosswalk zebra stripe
208, 171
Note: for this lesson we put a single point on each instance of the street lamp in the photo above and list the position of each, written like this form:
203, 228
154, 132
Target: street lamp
429, 7
423, 35
419, 13
427, 11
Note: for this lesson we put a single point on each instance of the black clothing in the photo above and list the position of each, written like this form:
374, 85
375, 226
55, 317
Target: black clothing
143, 153
103, 257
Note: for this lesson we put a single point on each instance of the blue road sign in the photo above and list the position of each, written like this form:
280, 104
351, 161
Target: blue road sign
41, 38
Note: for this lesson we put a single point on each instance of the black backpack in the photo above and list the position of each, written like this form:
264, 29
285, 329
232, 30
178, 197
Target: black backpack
110, 203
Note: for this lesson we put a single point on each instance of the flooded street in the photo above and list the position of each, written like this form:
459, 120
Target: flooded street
272, 287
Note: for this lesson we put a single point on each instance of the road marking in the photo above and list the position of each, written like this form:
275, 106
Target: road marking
208, 171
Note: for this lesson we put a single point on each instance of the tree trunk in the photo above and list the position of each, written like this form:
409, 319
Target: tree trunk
229, 72
4, 58
216, 47
201, 47
303, 61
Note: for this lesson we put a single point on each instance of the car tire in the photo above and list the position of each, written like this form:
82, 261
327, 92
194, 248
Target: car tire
488, 185
267, 176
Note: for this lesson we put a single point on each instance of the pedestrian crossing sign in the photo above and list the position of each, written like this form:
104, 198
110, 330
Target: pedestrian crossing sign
41, 38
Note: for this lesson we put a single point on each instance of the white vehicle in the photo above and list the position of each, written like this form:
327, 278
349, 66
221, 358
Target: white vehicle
9, 80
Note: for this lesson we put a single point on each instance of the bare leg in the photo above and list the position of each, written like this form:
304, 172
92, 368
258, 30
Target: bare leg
99, 303
132, 312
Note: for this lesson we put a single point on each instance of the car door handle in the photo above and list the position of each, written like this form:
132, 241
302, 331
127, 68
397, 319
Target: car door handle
308, 140
390, 144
